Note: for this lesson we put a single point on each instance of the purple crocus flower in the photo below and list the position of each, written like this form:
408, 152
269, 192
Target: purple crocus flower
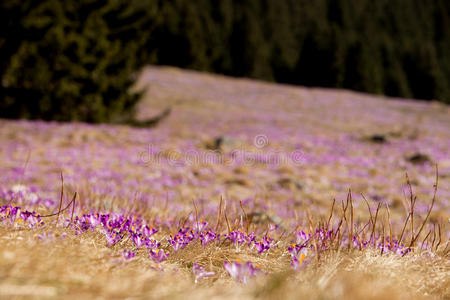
179, 241
200, 226
298, 255
149, 231
264, 244
295, 263
302, 237
113, 237
151, 244
138, 239
207, 237
241, 272
158, 255
199, 272
94, 220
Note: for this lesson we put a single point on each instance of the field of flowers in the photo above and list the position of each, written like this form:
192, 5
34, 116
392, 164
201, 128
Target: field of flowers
246, 190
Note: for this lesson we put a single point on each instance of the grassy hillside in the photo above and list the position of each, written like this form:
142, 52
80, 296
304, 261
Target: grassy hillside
240, 171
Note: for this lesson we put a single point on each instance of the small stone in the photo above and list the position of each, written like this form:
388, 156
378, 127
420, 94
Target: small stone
419, 159
378, 138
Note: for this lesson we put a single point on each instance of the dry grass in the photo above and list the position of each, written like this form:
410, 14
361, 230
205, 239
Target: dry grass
82, 267
204, 107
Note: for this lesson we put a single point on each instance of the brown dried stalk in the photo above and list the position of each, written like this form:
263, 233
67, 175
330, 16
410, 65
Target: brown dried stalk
434, 237
73, 209
403, 230
426, 237
219, 217
390, 225
368, 207
438, 243
61, 210
412, 201
196, 215
226, 219
375, 222
351, 219
429, 210
344, 212
61, 200
337, 231
185, 219
314, 235
331, 214
247, 223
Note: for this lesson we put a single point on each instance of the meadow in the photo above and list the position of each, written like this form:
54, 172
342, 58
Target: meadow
246, 190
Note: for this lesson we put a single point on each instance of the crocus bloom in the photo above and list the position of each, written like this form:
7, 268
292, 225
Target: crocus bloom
149, 231
138, 240
127, 254
151, 244
207, 237
158, 255
199, 272
240, 272
113, 237
264, 244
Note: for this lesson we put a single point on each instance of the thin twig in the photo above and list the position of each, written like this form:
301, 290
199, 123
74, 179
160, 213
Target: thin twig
219, 214
403, 230
331, 215
226, 219
246, 217
351, 218
411, 207
438, 243
62, 195
314, 235
73, 207
344, 210
430, 209
368, 207
196, 216
60, 211
426, 237
434, 237
390, 225
372, 235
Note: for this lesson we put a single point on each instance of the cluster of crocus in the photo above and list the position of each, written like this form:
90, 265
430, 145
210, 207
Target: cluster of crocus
394, 247
241, 272
181, 239
119, 227
208, 236
116, 227
22, 194
11, 215
240, 237
265, 244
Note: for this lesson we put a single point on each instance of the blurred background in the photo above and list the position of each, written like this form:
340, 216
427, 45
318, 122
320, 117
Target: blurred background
76, 60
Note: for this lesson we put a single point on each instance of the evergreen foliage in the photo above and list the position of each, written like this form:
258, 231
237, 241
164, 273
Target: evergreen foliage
73, 60
70, 60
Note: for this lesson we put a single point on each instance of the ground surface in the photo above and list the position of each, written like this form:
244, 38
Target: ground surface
272, 153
